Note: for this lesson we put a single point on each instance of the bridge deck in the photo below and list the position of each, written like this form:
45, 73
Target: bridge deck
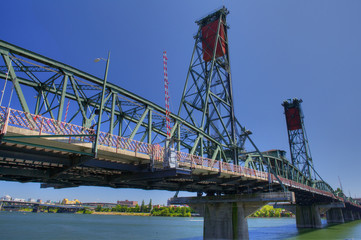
59, 158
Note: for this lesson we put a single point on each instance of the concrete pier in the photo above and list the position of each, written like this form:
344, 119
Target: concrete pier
308, 216
36, 209
225, 217
227, 220
335, 216
356, 215
347, 215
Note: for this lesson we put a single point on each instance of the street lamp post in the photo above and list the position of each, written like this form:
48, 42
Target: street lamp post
95, 147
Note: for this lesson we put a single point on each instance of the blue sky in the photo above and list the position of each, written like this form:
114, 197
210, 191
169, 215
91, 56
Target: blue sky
278, 50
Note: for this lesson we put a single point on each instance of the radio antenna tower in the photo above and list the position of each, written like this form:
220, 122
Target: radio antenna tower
169, 153
166, 83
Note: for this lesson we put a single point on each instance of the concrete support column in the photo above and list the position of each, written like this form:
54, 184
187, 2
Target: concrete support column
225, 217
36, 209
334, 215
347, 215
355, 215
308, 216
226, 221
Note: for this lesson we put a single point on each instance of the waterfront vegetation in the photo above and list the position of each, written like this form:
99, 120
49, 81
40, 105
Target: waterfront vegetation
270, 211
171, 211
166, 211
177, 211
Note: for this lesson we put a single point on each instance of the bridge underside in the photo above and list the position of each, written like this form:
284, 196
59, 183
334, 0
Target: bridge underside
28, 154
60, 162
23, 162
29, 160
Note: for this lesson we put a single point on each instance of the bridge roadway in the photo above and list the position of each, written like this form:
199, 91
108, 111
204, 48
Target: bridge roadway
58, 154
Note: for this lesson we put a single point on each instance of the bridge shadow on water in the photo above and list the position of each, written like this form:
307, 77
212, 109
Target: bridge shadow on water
348, 230
285, 228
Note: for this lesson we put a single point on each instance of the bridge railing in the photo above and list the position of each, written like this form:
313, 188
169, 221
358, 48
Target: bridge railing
78, 134
68, 132
123, 143
42, 125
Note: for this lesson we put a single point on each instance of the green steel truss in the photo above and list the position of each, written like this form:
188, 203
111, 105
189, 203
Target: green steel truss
299, 147
46, 87
43, 86
282, 167
207, 100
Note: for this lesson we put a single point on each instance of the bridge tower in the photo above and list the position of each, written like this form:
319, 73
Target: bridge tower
300, 151
207, 100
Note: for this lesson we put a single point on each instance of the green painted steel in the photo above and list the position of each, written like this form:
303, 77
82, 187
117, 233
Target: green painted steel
123, 112
299, 147
207, 100
101, 106
126, 113
282, 167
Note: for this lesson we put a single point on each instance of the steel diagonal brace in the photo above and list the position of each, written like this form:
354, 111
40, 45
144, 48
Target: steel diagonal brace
16, 83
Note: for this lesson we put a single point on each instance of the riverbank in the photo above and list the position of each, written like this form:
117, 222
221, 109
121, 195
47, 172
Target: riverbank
121, 213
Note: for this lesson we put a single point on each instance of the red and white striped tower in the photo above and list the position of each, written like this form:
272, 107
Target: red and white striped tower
167, 111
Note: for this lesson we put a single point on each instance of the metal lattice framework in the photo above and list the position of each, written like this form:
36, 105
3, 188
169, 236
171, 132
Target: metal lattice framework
208, 135
282, 167
84, 168
43, 85
207, 100
300, 151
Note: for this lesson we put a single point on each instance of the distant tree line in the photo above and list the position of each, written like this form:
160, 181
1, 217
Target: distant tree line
171, 211
121, 208
270, 211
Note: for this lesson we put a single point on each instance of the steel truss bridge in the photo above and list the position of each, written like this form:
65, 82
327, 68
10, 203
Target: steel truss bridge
49, 131
36, 206
39, 146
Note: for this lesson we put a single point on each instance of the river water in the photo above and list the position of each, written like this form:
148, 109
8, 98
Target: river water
41, 226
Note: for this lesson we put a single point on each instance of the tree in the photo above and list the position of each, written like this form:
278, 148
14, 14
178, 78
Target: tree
142, 207
98, 208
150, 207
